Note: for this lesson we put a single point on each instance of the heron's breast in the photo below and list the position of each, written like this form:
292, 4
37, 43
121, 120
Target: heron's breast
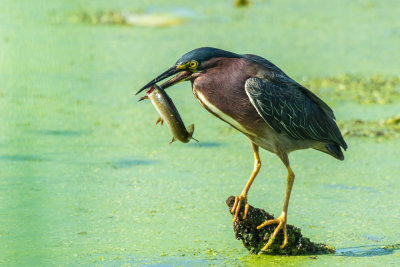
212, 108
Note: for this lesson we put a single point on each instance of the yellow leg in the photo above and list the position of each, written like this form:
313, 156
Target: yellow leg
243, 196
281, 220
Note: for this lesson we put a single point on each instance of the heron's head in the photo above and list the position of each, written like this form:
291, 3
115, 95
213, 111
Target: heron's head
190, 65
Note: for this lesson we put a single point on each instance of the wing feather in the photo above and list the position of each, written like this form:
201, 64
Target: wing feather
290, 110
276, 74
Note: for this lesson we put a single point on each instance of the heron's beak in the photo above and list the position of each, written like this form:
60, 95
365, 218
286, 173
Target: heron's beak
169, 72
183, 76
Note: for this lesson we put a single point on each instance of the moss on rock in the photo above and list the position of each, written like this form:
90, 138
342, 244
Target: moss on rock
254, 240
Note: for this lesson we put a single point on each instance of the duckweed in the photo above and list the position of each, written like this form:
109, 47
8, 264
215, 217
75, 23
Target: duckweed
376, 89
383, 129
113, 17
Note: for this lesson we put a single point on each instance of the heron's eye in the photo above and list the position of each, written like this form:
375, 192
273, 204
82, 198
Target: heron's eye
193, 64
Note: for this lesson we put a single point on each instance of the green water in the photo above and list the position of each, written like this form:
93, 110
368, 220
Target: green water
86, 178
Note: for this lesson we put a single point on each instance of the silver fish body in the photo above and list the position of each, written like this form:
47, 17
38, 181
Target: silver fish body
170, 115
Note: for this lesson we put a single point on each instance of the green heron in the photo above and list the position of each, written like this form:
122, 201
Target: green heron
258, 99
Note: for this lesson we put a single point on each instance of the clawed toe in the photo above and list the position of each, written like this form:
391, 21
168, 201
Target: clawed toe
281, 221
236, 207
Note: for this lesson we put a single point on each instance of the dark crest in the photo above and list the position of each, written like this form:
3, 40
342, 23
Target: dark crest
203, 54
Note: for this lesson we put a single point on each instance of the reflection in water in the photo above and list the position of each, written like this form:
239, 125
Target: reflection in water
366, 251
126, 163
66, 133
21, 158
351, 188
206, 144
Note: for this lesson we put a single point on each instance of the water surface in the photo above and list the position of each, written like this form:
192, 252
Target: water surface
88, 178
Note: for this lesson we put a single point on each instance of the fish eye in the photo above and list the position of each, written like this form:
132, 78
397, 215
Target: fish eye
193, 64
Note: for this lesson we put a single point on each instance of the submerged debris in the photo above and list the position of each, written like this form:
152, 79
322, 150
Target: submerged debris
392, 247
126, 18
241, 3
254, 240
376, 89
385, 128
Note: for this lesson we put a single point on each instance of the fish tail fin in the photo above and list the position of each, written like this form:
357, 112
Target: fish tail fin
190, 130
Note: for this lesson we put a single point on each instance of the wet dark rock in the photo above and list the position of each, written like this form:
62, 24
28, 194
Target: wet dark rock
254, 240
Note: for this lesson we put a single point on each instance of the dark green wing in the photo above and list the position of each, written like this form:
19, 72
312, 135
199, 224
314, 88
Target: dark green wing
287, 109
275, 74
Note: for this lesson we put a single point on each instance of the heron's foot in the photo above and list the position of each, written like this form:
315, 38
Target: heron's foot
242, 198
160, 120
281, 221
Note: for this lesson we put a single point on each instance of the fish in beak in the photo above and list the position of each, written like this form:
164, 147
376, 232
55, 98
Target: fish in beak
182, 76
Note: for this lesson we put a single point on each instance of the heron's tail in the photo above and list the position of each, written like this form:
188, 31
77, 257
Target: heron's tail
335, 151
332, 149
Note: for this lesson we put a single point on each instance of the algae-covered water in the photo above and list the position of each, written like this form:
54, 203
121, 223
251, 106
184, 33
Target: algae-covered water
87, 178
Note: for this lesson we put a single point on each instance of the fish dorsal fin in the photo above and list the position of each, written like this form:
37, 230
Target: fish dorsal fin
173, 140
